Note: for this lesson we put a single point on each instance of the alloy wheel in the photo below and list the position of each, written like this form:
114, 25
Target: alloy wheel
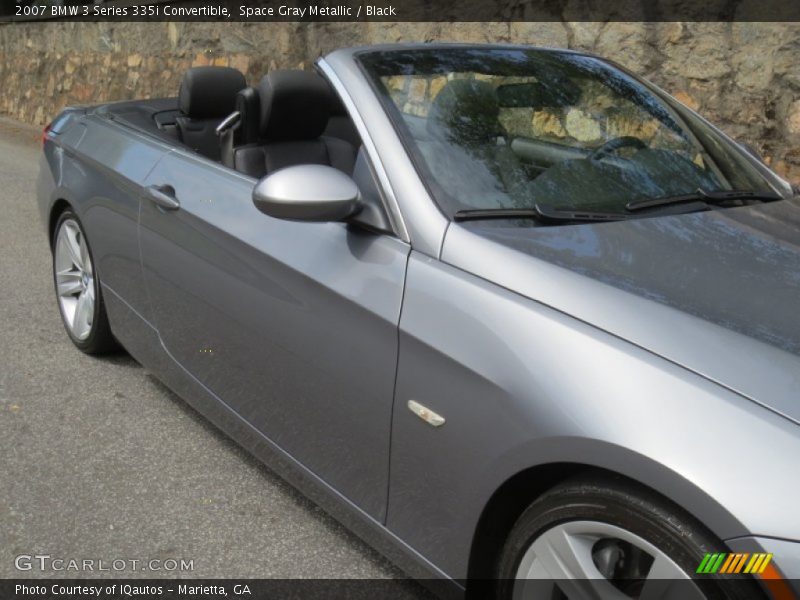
591, 560
74, 275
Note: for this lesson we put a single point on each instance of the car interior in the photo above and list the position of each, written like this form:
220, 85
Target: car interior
206, 96
294, 117
291, 117
467, 150
295, 107
461, 97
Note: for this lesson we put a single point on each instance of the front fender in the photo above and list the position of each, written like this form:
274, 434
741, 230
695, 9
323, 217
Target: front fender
522, 385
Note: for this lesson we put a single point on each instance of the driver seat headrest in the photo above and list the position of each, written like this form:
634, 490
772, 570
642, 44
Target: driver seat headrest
295, 105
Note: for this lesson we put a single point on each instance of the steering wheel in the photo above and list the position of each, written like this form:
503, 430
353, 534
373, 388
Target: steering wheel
625, 141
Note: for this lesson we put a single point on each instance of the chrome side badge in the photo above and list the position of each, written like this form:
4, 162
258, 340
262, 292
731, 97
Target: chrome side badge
426, 414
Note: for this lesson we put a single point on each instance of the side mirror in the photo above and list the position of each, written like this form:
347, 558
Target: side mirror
307, 193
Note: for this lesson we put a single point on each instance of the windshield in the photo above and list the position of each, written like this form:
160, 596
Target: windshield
516, 128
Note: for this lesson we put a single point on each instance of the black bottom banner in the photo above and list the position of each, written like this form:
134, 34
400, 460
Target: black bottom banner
379, 589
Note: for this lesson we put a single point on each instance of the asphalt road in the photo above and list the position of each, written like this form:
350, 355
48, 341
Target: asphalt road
100, 461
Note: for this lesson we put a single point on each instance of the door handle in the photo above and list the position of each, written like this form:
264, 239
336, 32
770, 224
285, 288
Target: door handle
163, 196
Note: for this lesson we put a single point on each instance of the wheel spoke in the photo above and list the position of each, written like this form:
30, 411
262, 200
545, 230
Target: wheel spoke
568, 560
69, 283
84, 252
74, 279
73, 246
563, 559
82, 323
565, 556
667, 581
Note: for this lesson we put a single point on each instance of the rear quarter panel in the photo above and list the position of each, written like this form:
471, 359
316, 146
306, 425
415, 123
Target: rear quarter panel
99, 168
522, 385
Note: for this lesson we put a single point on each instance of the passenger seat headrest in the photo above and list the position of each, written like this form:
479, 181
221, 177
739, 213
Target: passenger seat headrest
209, 92
466, 111
295, 105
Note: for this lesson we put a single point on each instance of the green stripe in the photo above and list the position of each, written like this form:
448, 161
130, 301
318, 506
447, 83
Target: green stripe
711, 560
718, 564
710, 563
701, 568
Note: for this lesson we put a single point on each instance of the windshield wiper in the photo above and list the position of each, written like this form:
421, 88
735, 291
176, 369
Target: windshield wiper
714, 197
546, 214
538, 213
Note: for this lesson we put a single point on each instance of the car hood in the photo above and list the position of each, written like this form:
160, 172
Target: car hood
717, 292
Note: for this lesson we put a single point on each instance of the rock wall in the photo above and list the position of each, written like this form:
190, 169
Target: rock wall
745, 77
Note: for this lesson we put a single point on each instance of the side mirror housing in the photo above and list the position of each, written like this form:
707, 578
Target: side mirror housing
316, 193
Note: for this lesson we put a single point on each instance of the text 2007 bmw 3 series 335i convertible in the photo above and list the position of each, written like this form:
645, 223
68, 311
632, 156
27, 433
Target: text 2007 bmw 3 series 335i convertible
517, 317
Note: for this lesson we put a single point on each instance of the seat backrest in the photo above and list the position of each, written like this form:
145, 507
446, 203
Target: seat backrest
295, 106
466, 146
207, 95
465, 113
340, 125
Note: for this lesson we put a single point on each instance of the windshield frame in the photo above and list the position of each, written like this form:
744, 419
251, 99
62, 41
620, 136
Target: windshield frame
681, 114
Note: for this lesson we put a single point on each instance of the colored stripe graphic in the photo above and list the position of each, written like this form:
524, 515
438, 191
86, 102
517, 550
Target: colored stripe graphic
752, 562
765, 564
733, 563
740, 564
718, 563
703, 563
727, 564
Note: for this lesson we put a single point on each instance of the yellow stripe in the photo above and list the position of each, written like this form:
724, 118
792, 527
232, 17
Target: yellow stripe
764, 564
749, 566
727, 563
755, 567
740, 564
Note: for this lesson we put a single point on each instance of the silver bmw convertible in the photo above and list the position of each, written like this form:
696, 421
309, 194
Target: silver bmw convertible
515, 316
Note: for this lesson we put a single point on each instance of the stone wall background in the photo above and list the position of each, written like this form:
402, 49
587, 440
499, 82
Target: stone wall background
744, 77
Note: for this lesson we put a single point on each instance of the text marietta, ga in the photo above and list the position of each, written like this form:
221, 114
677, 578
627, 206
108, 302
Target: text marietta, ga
313, 10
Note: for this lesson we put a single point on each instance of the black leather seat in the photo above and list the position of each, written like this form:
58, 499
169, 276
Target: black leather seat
207, 95
468, 147
294, 112
340, 125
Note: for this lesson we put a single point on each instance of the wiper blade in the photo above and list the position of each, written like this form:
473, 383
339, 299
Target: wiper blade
538, 213
714, 197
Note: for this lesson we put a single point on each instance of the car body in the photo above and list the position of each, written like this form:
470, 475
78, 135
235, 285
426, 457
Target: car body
665, 350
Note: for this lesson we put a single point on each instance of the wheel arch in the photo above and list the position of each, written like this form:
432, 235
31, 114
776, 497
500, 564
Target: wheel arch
505, 506
56, 210
516, 493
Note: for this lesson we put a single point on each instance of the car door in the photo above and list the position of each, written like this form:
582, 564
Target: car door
293, 325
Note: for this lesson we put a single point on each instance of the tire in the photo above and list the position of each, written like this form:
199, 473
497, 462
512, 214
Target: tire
619, 526
77, 288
